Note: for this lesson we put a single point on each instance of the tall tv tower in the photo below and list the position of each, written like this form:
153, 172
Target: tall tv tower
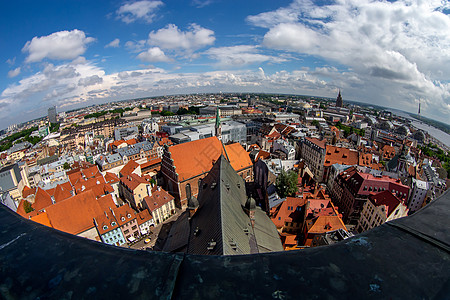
419, 109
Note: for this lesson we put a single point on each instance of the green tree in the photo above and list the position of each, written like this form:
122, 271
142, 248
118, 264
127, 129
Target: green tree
54, 127
165, 113
286, 183
27, 207
66, 166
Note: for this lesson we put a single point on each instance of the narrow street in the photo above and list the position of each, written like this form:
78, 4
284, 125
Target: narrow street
141, 245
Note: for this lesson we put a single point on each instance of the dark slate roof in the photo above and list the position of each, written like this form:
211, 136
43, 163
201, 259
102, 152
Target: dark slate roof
135, 149
178, 237
47, 160
6, 178
407, 258
223, 228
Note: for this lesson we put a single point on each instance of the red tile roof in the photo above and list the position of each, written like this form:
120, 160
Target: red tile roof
152, 162
262, 155
129, 168
388, 152
42, 218
143, 217
319, 143
84, 185
387, 199
133, 181
340, 155
90, 172
106, 219
111, 178
131, 142
238, 157
41, 200
326, 223
75, 177
202, 154
106, 202
74, 215
124, 214
157, 199
28, 191
283, 213
21, 209
63, 191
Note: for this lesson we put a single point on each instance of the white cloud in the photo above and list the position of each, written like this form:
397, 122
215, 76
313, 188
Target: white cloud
401, 47
201, 3
73, 85
58, 45
91, 80
139, 10
240, 55
113, 44
14, 73
154, 54
136, 46
11, 61
171, 37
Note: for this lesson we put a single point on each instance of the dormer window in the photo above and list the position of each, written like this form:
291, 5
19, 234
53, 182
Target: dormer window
105, 227
129, 216
113, 223
123, 218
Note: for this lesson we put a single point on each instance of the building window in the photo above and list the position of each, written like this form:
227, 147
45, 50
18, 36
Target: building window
188, 191
134, 227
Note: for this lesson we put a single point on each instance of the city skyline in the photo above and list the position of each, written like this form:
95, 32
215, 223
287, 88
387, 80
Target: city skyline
74, 54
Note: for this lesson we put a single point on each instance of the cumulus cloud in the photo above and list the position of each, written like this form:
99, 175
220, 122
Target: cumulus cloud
154, 54
136, 46
240, 55
91, 80
14, 73
59, 45
171, 37
113, 44
401, 47
139, 10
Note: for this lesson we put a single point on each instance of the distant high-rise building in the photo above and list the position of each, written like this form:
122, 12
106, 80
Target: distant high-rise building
419, 109
52, 114
339, 102
218, 126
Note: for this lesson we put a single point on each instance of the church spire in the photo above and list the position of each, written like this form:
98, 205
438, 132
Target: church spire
339, 102
218, 125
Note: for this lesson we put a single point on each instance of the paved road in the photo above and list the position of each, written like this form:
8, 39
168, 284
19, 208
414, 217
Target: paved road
154, 233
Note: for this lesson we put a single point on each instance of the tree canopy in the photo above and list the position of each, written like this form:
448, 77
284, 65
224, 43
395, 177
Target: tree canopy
286, 183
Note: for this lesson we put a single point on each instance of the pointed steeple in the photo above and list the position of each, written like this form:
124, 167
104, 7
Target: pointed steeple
339, 102
218, 125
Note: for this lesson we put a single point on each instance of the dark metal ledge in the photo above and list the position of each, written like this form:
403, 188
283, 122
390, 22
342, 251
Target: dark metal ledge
405, 259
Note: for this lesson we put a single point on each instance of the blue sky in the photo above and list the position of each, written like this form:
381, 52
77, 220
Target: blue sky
77, 53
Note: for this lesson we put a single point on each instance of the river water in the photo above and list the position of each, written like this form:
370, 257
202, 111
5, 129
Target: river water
433, 131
